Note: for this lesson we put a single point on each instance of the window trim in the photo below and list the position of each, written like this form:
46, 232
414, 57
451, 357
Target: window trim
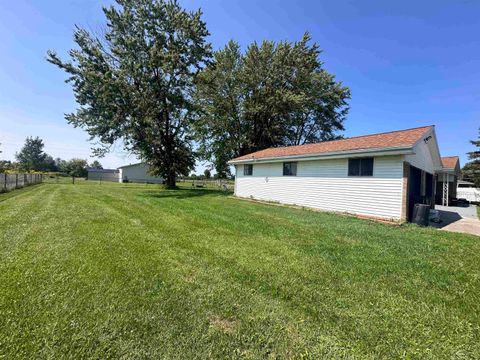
290, 162
360, 169
245, 167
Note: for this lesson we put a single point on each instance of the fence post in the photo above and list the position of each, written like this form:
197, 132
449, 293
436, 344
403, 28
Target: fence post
16, 181
5, 181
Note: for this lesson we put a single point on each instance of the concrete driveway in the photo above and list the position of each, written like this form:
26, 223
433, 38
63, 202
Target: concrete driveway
462, 219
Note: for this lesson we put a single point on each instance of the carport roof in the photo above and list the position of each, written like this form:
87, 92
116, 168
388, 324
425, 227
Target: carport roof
124, 166
450, 162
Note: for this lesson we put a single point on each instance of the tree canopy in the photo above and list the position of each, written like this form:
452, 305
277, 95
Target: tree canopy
471, 170
75, 167
150, 82
32, 157
96, 165
274, 94
135, 82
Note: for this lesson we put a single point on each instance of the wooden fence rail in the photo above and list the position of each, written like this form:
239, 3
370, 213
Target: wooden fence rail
14, 181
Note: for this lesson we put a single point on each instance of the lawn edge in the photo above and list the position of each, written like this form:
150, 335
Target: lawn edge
391, 222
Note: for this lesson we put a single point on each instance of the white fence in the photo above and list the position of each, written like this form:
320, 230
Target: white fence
470, 194
219, 184
14, 181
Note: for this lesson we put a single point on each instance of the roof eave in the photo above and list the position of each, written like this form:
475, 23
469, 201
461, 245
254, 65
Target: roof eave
402, 150
124, 166
449, 170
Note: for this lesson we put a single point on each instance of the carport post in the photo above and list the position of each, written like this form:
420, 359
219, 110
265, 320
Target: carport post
445, 190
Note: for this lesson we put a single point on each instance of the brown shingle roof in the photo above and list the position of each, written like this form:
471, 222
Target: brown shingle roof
401, 138
450, 162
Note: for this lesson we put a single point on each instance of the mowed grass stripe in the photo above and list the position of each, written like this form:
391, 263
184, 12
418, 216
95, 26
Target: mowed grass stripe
21, 215
108, 271
210, 279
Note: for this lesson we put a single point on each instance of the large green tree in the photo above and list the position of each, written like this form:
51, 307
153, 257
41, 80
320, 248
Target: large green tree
471, 170
49, 164
135, 82
32, 157
75, 167
475, 154
274, 94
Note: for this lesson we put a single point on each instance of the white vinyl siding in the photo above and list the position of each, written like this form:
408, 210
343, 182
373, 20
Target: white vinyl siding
422, 159
325, 184
138, 173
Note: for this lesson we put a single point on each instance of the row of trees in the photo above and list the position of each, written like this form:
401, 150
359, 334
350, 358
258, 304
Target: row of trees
152, 81
32, 158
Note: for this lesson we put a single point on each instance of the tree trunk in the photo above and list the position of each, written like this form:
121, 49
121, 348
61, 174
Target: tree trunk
170, 180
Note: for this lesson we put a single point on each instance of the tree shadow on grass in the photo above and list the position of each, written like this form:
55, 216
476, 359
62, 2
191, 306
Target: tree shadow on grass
185, 193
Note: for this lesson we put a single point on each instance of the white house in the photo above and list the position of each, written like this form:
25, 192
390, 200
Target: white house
137, 173
379, 176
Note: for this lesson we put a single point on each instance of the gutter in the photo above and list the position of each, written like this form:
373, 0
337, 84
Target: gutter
446, 170
402, 150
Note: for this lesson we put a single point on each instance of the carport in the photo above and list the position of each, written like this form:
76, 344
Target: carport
447, 178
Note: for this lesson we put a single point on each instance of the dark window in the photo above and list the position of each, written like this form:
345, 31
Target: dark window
290, 169
247, 169
360, 167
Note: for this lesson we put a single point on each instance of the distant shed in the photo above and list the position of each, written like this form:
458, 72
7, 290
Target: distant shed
103, 174
138, 173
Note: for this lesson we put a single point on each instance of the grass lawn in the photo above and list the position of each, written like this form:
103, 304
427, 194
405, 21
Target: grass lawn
133, 271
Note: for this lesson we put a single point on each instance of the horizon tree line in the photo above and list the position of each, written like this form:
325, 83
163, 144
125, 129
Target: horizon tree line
32, 158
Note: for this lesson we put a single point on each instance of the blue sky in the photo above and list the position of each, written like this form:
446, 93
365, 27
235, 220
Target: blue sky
408, 63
